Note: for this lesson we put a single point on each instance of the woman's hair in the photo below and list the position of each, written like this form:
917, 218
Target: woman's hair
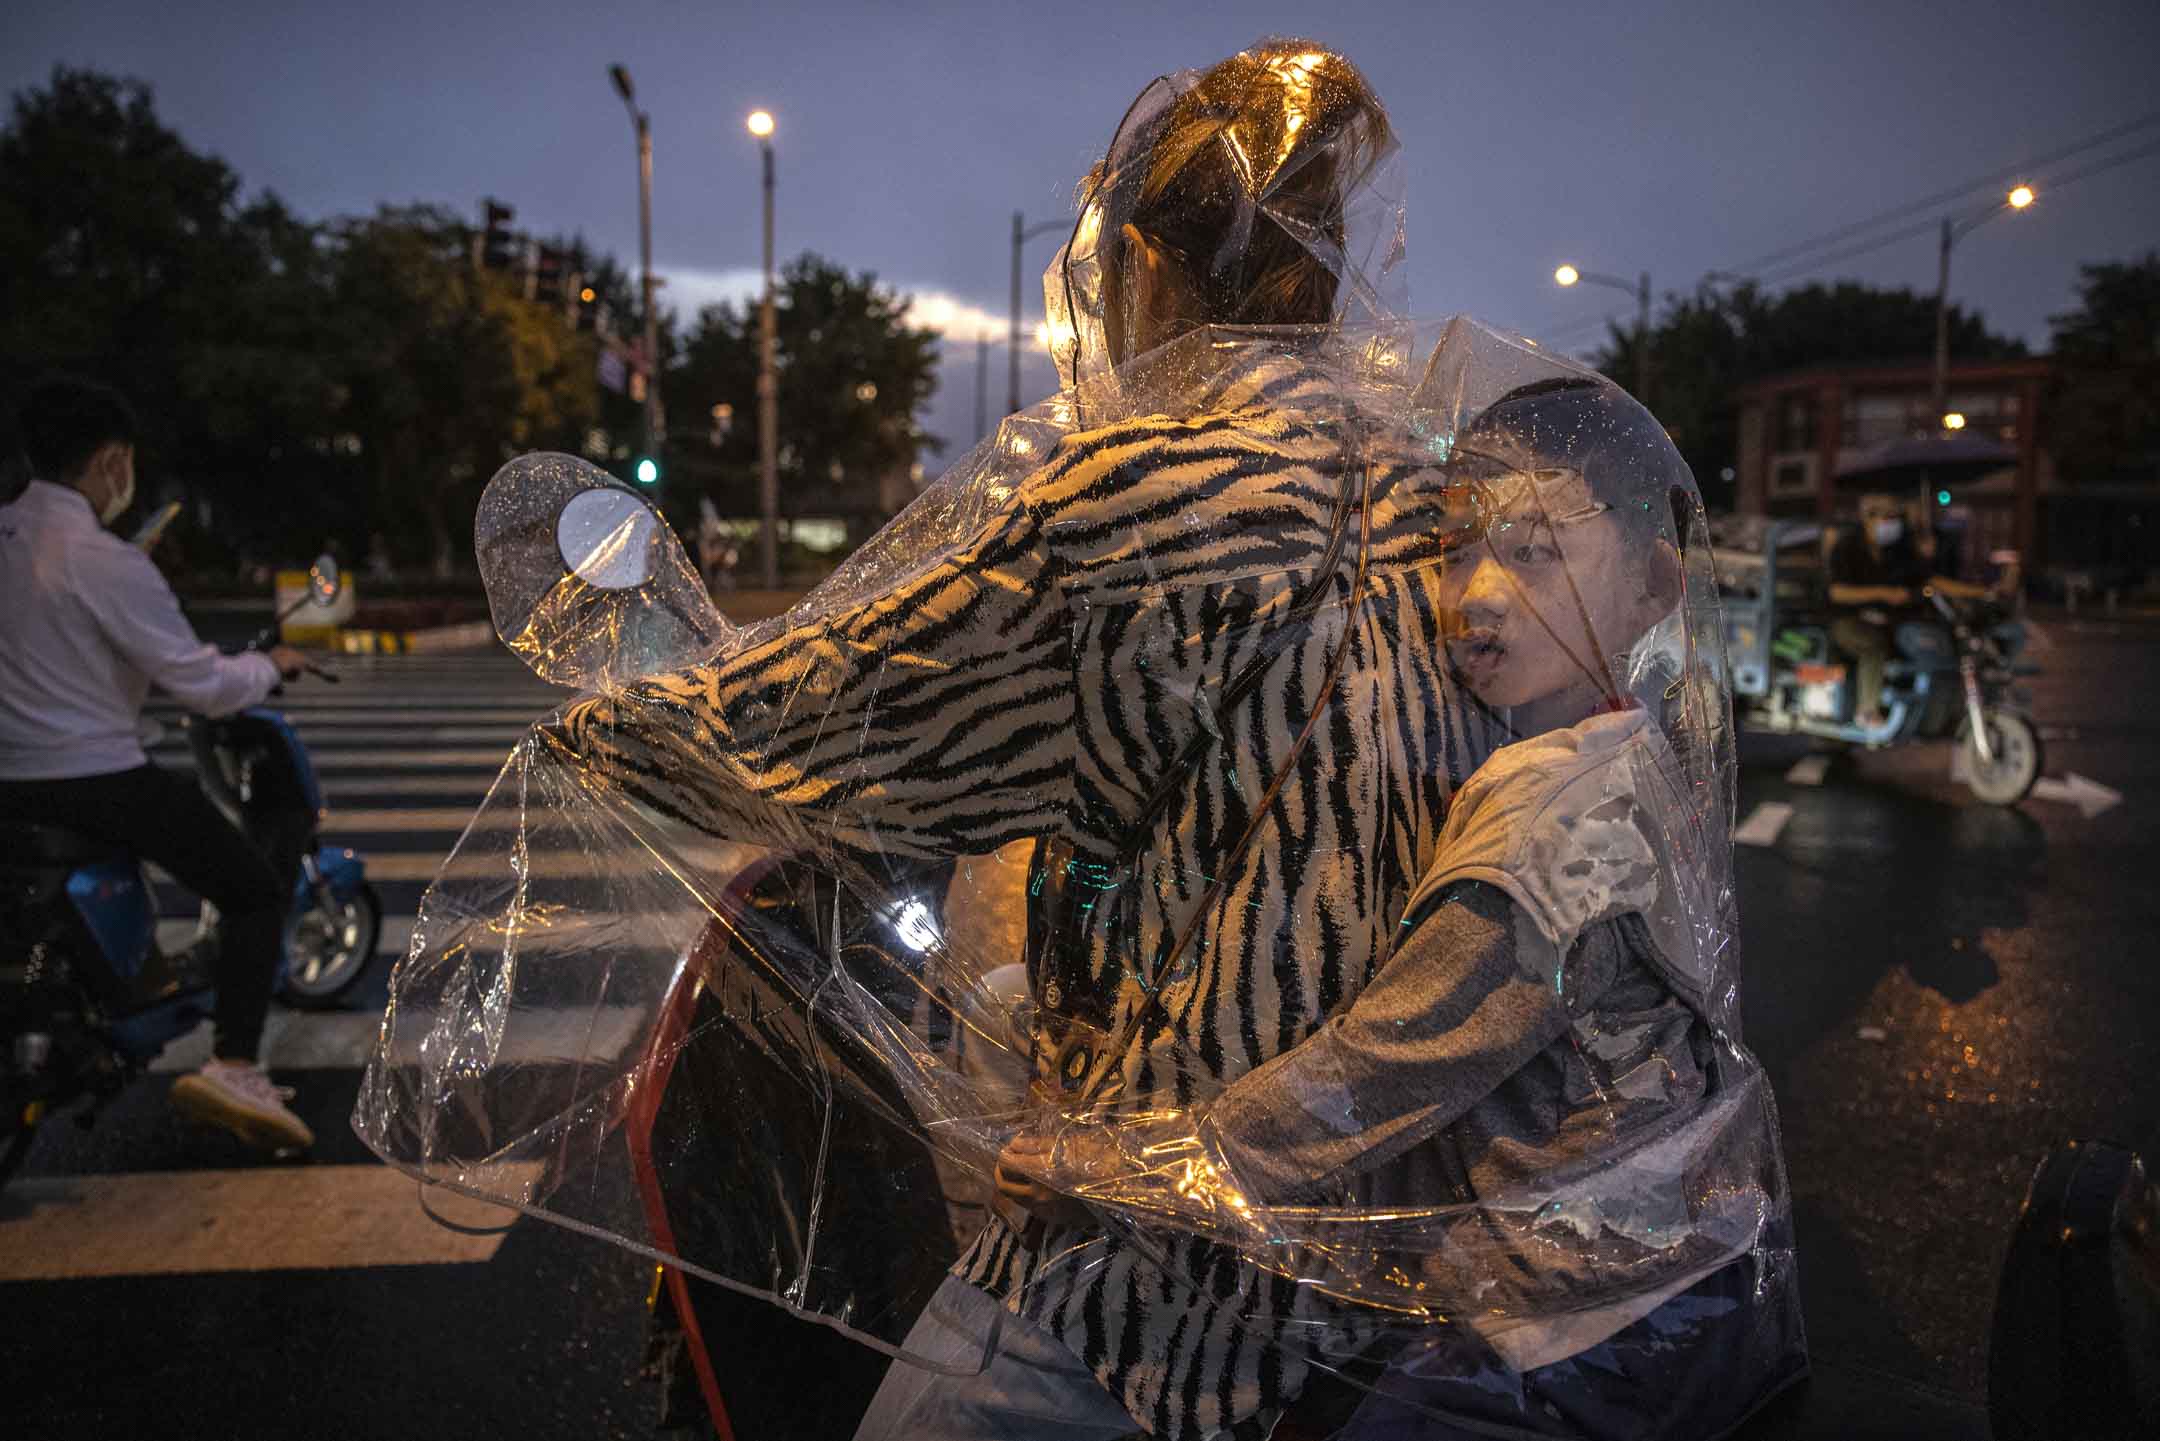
1246, 180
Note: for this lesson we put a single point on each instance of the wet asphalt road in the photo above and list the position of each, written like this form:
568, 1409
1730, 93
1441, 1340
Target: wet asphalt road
2005, 957
2008, 958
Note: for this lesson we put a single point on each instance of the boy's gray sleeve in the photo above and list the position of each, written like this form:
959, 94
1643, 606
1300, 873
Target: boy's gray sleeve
1449, 1018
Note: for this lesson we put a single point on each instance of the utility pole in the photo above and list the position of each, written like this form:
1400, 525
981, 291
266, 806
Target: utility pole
1642, 339
982, 385
1022, 232
621, 76
1939, 394
768, 384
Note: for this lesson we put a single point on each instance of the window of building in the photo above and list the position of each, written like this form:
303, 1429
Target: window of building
1795, 423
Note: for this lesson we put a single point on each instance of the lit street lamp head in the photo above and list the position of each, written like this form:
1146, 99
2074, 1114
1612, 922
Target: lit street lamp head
1567, 275
1955, 420
2021, 197
761, 124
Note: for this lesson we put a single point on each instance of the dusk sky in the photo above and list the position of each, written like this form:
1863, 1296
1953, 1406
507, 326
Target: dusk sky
1668, 137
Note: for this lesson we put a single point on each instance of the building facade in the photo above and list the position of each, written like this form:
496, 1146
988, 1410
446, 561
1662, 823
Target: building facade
1799, 430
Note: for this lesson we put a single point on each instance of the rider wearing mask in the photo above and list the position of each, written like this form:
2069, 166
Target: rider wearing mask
89, 627
1873, 570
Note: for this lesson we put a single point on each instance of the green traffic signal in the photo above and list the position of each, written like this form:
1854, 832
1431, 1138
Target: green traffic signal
1942, 497
648, 470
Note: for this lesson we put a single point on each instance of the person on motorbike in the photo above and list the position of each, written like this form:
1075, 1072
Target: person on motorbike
90, 627
1874, 569
1139, 598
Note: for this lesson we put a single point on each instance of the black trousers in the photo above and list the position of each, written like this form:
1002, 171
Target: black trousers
166, 819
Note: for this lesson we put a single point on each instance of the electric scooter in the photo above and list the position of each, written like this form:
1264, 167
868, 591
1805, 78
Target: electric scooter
88, 996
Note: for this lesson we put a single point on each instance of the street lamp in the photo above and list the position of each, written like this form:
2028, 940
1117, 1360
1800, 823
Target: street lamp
760, 125
1568, 275
1022, 233
1953, 231
621, 76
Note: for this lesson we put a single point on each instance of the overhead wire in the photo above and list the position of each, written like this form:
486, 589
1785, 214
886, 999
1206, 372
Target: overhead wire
2049, 183
1802, 264
1940, 197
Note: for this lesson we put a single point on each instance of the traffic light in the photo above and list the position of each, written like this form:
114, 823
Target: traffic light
498, 246
551, 275
648, 470
1942, 497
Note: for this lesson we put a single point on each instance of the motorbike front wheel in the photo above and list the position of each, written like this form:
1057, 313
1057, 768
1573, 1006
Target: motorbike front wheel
331, 948
2014, 758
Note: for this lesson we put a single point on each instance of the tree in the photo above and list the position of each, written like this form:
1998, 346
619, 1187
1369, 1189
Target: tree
1704, 347
853, 377
447, 372
2103, 417
132, 260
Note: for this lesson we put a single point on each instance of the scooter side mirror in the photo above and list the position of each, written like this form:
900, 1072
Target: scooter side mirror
607, 538
325, 581
585, 580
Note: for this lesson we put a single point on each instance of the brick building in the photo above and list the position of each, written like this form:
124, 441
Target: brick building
1804, 432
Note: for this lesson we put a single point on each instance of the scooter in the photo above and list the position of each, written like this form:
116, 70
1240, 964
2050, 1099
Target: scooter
88, 997
1953, 677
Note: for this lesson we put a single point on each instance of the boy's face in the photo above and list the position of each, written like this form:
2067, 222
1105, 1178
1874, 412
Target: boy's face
1543, 595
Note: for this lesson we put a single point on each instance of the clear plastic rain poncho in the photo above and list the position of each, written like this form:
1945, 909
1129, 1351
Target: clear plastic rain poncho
1272, 799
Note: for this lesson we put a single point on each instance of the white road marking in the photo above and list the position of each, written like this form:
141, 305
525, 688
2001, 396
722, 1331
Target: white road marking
342, 1040
332, 758
1763, 824
2090, 797
1809, 770
330, 721
471, 788
177, 932
276, 1218
318, 740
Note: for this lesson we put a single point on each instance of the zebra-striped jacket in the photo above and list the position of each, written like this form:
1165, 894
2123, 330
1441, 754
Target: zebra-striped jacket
1037, 680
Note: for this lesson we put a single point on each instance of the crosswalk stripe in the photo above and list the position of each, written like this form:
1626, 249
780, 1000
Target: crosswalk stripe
174, 933
473, 785
281, 1218
331, 758
412, 820
507, 734
342, 1040
329, 721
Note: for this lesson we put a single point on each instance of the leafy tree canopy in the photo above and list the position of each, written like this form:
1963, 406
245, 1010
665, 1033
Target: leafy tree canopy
2104, 417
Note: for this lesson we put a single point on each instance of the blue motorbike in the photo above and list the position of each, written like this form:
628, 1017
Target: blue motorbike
88, 995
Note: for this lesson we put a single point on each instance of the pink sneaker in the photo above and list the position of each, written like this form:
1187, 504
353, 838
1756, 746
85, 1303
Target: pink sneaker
240, 1098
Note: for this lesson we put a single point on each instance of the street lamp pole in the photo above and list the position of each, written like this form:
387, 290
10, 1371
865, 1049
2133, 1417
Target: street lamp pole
1640, 289
1952, 232
768, 385
621, 76
1022, 232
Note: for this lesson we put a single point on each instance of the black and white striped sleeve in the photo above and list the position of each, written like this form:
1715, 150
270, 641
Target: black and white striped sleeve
932, 720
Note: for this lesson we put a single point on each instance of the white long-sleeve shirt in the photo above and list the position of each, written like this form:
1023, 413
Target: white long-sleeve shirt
87, 626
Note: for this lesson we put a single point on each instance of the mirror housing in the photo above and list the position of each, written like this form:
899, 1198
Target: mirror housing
325, 580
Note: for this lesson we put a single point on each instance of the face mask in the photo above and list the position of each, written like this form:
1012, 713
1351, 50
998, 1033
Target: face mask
119, 501
1886, 532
